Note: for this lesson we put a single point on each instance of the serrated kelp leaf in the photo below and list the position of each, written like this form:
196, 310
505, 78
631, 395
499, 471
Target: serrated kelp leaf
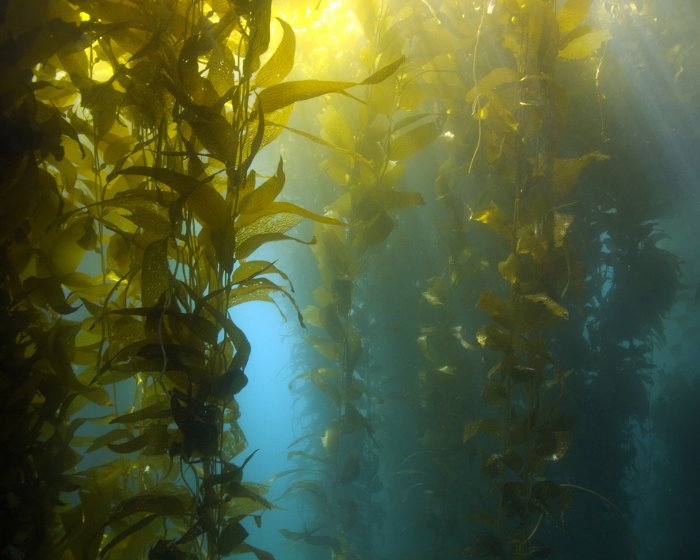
280, 95
257, 552
222, 65
268, 223
248, 270
234, 442
254, 242
552, 306
117, 148
494, 338
585, 45
383, 73
509, 268
155, 273
571, 14
202, 328
282, 60
153, 222
214, 132
264, 194
490, 425
327, 348
409, 120
130, 445
399, 200
108, 438
150, 412
65, 253
498, 309
126, 533
560, 227
151, 502
552, 445
230, 537
494, 79
496, 219
405, 145
342, 151
205, 201
208, 206
179, 182
259, 40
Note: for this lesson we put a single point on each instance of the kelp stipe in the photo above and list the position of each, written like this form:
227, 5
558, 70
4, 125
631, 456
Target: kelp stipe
366, 164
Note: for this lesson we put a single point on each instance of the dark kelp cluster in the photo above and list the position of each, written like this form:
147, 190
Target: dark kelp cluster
478, 387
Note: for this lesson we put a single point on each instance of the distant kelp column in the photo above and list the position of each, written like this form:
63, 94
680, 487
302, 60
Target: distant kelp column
615, 343
527, 109
166, 106
369, 144
521, 191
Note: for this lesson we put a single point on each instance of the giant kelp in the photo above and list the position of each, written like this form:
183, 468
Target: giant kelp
130, 132
166, 106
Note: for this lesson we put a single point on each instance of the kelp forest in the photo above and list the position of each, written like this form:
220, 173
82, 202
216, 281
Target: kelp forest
349, 279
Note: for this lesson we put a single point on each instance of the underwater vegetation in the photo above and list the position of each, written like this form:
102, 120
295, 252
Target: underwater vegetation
478, 370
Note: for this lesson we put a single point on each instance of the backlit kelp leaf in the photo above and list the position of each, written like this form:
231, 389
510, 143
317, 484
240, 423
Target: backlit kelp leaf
222, 65
282, 60
155, 273
552, 306
126, 533
490, 425
335, 128
233, 444
150, 412
179, 182
571, 14
560, 227
248, 270
130, 445
280, 95
170, 504
272, 223
496, 219
213, 131
509, 268
405, 145
327, 348
552, 445
494, 79
236, 335
346, 154
258, 553
251, 244
109, 437
399, 200
264, 194
494, 338
383, 73
259, 40
499, 310
585, 45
